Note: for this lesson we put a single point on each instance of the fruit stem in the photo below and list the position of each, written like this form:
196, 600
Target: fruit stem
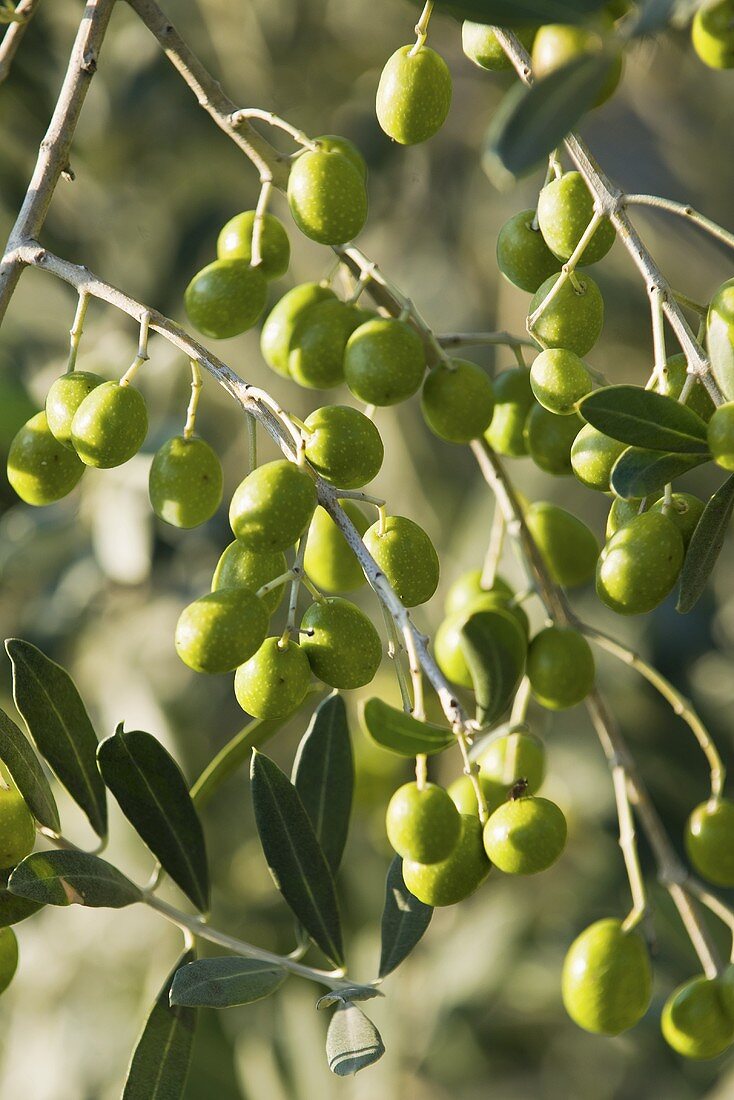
455, 340
196, 385
141, 355
251, 432
275, 583
567, 272
421, 28
75, 332
714, 904
628, 845
494, 549
244, 114
658, 338
520, 703
683, 210
296, 581
266, 189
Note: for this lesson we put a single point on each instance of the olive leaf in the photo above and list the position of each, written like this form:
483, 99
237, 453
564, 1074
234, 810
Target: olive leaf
27, 773
495, 649
154, 797
513, 13
72, 878
348, 993
352, 1041
14, 909
397, 731
161, 1060
323, 775
639, 472
646, 419
404, 920
705, 546
57, 720
225, 981
294, 856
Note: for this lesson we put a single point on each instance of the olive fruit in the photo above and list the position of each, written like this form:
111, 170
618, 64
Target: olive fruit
607, 978
40, 469
8, 957
457, 401
517, 755
560, 667
274, 682
17, 828
384, 361
330, 561
559, 379
239, 567
720, 336
548, 438
685, 510
513, 401
640, 564
565, 208
423, 823
448, 646
480, 45
219, 631
468, 586
455, 877
272, 507
225, 298
281, 322
64, 398
556, 44
568, 547
695, 1021
712, 34
341, 643
525, 835
672, 380
110, 425
336, 143
327, 196
185, 482
343, 446
593, 455
318, 340
721, 436
414, 94
621, 512
709, 840
235, 243
407, 557
523, 257
464, 796
574, 319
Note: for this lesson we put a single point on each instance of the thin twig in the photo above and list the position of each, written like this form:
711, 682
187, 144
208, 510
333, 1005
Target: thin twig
24, 12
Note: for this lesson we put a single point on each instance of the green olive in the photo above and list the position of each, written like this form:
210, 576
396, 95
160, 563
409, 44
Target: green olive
709, 839
336, 143
513, 401
457, 401
480, 45
414, 94
565, 208
341, 643
226, 298
239, 567
64, 398
40, 469
569, 548
695, 1021
685, 510
318, 342
559, 379
621, 512
185, 482
523, 257
593, 456
447, 642
343, 446
721, 436
407, 557
330, 561
110, 425
712, 34
272, 507
557, 44
454, 878
548, 438
8, 957
560, 667
274, 682
281, 323
575, 317
518, 755
640, 564
607, 978
464, 796
673, 379
235, 243
468, 586
525, 835
327, 196
384, 361
423, 823
219, 631
17, 828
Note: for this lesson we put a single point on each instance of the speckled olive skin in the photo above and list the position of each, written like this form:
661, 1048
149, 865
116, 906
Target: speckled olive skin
548, 438
330, 562
674, 378
64, 398
344, 446
239, 567
40, 469
447, 641
407, 557
621, 512
709, 839
422, 824
525, 835
712, 34
8, 957
17, 828
235, 243
219, 631
559, 379
523, 257
341, 643
695, 1022
110, 425
685, 511
558, 43
513, 401
185, 482
414, 95
274, 682
457, 401
272, 507
280, 324
455, 877
560, 667
568, 546
316, 357
606, 982
384, 361
468, 586
327, 196
514, 756
640, 564
721, 436
337, 143
464, 797
226, 298
593, 455
574, 319
480, 45
565, 208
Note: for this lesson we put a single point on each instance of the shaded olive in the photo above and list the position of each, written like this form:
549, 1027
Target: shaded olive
272, 507
281, 322
64, 398
40, 469
185, 482
226, 298
523, 257
235, 243
560, 667
422, 823
640, 564
239, 567
343, 446
525, 835
219, 631
341, 643
455, 877
569, 548
384, 361
513, 401
330, 561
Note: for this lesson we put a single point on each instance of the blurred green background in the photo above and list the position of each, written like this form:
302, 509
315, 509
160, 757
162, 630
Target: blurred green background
98, 582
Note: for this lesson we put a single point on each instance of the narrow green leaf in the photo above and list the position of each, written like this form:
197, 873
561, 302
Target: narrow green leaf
397, 731
647, 419
295, 857
352, 1041
27, 773
57, 720
154, 797
532, 122
404, 920
72, 878
161, 1060
639, 473
705, 546
323, 775
721, 352
514, 13
225, 981
495, 649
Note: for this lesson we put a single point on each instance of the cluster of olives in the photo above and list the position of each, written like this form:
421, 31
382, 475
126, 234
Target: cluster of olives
17, 838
